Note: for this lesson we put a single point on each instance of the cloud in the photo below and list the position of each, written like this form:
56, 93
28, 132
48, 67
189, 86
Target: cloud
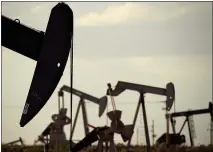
37, 9
32, 14
189, 34
127, 12
112, 15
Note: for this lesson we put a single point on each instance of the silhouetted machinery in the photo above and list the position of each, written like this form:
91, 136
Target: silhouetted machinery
105, 133
101, 102
174, 139
57, 134
50, 50
169, 92
54, 136
11, 146
45, 135
16, 141
93, 136
45, 138
188, 114
177, 138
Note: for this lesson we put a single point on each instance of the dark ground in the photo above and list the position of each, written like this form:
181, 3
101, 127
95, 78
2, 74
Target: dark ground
120, 148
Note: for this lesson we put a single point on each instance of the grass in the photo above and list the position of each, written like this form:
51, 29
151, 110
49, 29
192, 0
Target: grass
120, 148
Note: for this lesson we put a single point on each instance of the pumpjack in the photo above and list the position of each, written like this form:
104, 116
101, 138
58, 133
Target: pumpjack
169, 92
16, 141
101, 102
12, 146
188, 114
106, 133
53, 136
50, 49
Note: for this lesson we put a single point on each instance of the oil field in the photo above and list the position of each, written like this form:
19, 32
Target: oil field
143, 83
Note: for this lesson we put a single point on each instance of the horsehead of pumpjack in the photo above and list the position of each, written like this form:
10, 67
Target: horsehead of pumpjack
50, 50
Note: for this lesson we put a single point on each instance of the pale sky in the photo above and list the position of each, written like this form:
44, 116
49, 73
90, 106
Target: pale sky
146, 43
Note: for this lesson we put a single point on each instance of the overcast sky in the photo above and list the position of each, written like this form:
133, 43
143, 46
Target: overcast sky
146, 43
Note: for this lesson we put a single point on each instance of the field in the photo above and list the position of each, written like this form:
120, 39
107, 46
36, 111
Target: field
120, 148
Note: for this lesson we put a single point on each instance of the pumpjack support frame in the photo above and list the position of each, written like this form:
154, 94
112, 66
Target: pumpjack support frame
102, 102
46, 136
169, 92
